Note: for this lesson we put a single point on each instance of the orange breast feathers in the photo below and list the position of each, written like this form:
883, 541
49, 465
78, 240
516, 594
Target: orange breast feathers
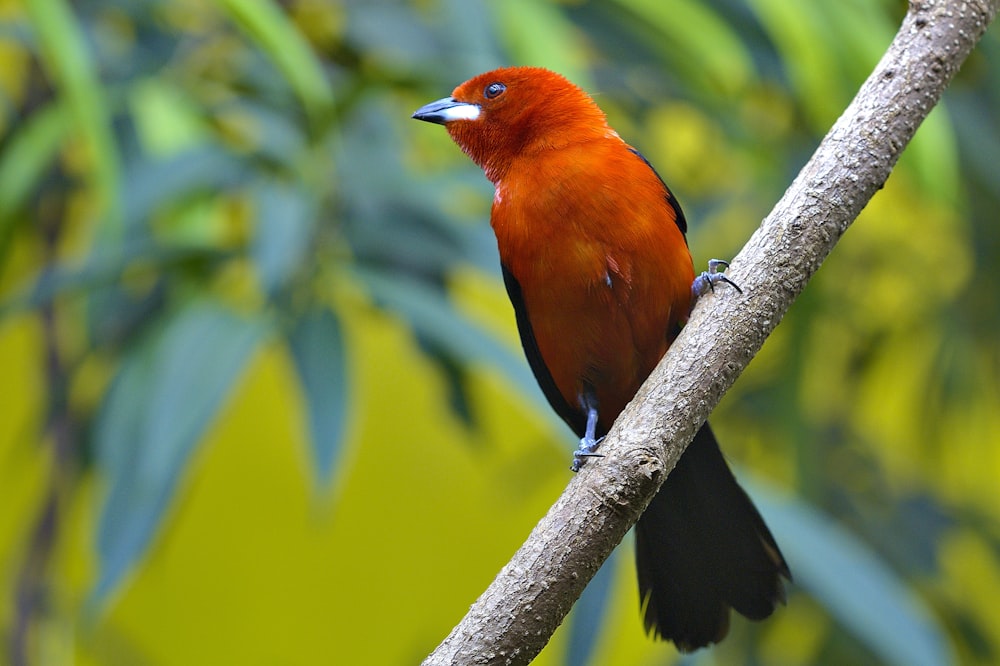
604, 270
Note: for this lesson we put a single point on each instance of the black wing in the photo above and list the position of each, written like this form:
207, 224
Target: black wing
668, 195
574, 417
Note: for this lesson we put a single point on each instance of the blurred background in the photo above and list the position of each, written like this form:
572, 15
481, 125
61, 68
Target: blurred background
262, 396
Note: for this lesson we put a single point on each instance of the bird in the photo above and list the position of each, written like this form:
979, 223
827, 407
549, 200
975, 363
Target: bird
595, 260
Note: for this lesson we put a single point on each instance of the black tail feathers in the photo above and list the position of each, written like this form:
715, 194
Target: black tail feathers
701, 549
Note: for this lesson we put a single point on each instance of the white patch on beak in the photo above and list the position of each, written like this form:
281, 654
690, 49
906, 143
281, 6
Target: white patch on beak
460, 112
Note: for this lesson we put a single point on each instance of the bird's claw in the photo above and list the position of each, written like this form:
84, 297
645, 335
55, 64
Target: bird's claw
588, 449
706, 282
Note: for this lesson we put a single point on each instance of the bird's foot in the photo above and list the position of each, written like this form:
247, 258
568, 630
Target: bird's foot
706, 282
588, 449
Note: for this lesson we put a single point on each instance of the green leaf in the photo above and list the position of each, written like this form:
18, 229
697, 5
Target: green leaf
395, 36
933, 153
165, 395
281, 40
286, 219
861, 31
392, 217
317, 345
468, 29
166, 120
150, 184
68, 62
808, 50
538, 33
279, 137
431, 314
101, 269
698, 40
854, 584
28, 154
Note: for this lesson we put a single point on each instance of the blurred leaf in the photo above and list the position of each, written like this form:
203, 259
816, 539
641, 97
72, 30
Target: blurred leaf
537, 33
150, 184
27, 155
802, 37
166, 119
455, 375
390, 34
854, 584
471, 26
275, 133
975, 127
863, 29
102, 267
114, 313
285, 223
392, 218
68, 61
281, 40
432, 315
166, 393
701, 42
934, 156
318, 347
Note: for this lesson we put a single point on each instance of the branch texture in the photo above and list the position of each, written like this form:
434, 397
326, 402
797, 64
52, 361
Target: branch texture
515, 617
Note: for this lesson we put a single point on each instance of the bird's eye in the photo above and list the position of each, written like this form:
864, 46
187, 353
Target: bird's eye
494, 90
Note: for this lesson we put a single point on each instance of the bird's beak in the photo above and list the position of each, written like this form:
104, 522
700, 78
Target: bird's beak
446, 110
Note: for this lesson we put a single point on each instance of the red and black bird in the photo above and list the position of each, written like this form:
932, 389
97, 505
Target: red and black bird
595, 260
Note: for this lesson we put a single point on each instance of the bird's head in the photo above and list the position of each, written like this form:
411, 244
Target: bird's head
511, 112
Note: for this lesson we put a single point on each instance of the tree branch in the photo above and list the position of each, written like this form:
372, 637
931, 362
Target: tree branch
515, 617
